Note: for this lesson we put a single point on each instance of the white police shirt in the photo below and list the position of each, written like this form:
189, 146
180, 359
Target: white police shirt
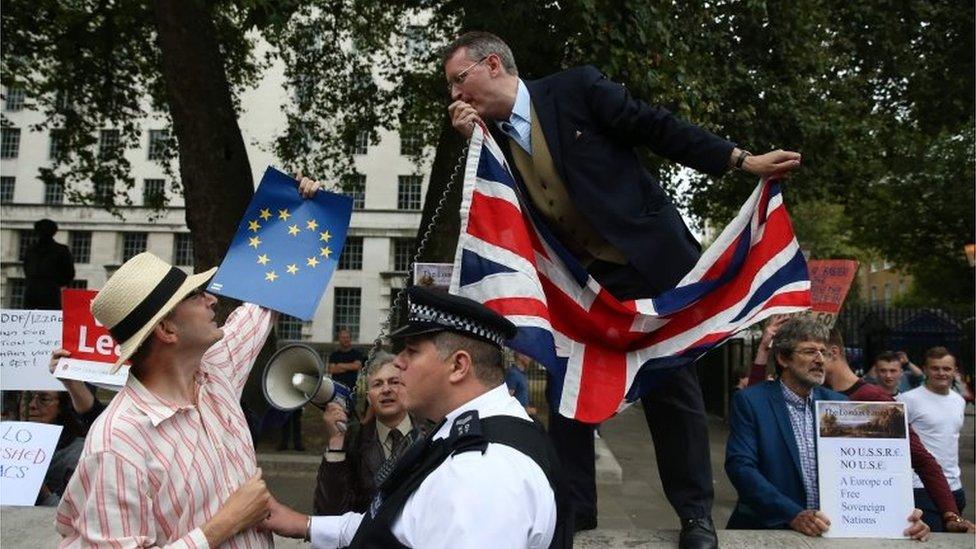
497, 499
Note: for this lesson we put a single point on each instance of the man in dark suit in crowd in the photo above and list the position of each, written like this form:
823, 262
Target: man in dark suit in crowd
345, 478
48, 267
770, 456
570, 139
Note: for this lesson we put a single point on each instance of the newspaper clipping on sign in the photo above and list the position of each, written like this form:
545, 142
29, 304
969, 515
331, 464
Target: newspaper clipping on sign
864, 468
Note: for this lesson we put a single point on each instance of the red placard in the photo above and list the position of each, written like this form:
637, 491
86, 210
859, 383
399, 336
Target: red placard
830, 280
81, 334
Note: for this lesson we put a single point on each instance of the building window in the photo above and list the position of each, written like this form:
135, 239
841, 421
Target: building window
153, 192
289, 327
9, 142
55, 148
15, 293
78, 284
874, 295
354, 185
887, 293
402, 253
408, 192
53, 192
14, 100
158, 144
410, 144
104, 190
7, 189
133, 244
345, 313
79, 242
25, 239
360, 144
352, 254
183, 249
108, 143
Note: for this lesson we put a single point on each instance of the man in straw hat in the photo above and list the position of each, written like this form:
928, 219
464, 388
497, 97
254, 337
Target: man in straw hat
171, 461
486, 476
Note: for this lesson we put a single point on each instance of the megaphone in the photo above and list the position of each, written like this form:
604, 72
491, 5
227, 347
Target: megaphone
295, 376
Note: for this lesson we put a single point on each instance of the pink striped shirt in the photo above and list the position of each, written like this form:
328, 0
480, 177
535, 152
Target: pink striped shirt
153, 473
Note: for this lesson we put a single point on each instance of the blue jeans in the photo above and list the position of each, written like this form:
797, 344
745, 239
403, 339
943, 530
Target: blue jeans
930, 513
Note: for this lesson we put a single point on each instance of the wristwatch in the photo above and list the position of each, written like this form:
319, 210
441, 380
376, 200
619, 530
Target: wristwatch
741, 158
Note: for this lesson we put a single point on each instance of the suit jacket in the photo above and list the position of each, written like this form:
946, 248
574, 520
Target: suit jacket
762, 459
347, 485
591, 126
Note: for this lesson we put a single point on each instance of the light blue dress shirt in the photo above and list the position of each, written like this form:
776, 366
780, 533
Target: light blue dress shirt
519, 124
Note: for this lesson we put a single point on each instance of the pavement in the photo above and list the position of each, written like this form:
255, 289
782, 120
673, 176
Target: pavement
633, 512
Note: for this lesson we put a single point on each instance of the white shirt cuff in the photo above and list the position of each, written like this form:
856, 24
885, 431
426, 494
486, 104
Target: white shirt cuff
333, 532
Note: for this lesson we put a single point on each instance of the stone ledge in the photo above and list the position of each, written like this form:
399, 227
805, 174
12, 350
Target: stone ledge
33, 527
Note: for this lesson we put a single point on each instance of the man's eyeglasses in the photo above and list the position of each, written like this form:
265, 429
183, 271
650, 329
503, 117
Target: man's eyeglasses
810, 353
460, 77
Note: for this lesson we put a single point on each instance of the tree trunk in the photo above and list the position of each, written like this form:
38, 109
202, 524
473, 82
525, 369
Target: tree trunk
214, 169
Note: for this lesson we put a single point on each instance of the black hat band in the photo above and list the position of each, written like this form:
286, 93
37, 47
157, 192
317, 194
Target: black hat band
424, 313
149, 306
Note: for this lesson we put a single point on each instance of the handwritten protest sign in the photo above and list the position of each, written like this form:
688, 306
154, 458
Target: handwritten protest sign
26, 449
830, 281
26, 341
864, 468
93, 351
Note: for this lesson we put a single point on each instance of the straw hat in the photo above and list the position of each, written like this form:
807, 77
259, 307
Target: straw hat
138, 296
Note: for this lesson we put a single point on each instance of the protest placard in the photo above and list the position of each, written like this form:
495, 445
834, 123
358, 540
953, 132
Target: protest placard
26, 449
864, 468
830, 281
26, 341
93, 351
433, 275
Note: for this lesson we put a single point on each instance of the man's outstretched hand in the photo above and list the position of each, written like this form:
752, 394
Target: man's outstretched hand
778, 162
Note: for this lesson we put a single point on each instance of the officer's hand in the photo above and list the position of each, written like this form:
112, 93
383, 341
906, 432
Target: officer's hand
778, 162
284, 521
810, 522
333, 415
463, 118
917, 529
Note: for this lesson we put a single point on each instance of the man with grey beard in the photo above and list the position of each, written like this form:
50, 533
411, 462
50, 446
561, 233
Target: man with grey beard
771, 458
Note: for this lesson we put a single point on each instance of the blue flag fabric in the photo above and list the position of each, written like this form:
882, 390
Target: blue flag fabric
286, 247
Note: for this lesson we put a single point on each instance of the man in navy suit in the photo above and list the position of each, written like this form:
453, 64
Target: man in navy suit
570, 138
771, 457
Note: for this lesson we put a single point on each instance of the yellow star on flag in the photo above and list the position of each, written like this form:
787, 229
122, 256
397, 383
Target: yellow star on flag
265, 214
311, 225
325, 236
270, 276
263, 259
325, 252
253, 225
254, 242
312, 262
293, 230
292, 269
283, 214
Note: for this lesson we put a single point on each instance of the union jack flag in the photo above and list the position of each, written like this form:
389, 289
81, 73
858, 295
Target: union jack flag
603, 353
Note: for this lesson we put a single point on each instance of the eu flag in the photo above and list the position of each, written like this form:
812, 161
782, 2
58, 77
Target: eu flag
286, 247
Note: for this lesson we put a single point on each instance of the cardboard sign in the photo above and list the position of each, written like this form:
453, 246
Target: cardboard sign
830, 281
93, 351
433, 275
26, 341
864, 468
26, 449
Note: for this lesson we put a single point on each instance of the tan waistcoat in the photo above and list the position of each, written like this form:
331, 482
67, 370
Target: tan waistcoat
551, 199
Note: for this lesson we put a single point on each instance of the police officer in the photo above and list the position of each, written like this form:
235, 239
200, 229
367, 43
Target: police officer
486, 476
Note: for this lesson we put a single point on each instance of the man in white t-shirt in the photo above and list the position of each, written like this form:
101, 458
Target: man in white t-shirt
936, 413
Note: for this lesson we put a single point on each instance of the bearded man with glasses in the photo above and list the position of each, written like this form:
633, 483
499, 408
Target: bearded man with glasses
771, 457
